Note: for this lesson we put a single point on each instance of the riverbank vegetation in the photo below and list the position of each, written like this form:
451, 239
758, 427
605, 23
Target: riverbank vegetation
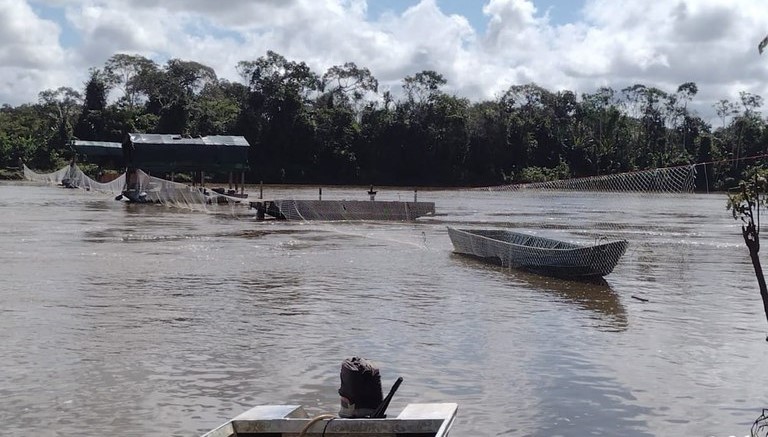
339, 127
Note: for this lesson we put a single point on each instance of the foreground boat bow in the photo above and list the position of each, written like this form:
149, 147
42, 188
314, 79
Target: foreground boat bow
433, 420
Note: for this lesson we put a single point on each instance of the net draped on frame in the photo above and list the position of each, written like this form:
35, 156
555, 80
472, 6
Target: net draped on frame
71, 176
153, 189
173, 194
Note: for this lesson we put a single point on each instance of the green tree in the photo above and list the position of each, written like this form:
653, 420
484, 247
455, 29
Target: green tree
23, 135
601, 136
534, 134
347, 85
745, 206
91, 123
129, 74
378, 150
276, 118
59, 108
488, 159
173, 90
215, 110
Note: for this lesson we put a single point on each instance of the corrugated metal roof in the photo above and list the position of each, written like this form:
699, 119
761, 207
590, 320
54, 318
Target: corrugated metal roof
83, 143
213, 140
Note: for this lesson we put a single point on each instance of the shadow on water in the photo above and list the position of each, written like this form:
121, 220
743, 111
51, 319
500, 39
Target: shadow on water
596, 296
97, 205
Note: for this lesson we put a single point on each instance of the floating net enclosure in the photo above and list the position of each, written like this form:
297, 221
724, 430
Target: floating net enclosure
610, 200
344, 210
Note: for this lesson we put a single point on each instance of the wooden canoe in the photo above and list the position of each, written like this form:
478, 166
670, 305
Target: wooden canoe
538, 254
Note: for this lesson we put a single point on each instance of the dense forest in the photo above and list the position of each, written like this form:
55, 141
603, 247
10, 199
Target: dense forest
338, 128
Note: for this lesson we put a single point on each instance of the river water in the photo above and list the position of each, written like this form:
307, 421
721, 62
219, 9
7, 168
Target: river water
138, 320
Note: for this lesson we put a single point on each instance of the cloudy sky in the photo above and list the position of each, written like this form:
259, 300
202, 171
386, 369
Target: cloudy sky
480, 46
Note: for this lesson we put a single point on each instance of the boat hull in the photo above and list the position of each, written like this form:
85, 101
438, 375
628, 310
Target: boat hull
536, 254
434, 420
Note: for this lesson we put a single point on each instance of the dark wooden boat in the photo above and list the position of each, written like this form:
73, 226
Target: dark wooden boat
538, 254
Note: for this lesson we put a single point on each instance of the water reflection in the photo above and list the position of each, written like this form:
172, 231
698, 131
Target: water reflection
595, 296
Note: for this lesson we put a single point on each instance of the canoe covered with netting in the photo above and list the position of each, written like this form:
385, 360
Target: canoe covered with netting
538, 254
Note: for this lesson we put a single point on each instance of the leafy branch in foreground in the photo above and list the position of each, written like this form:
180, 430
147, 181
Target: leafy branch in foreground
745, 206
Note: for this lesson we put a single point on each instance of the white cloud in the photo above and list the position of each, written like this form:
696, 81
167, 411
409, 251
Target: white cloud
28, 41
615, 42
30, 56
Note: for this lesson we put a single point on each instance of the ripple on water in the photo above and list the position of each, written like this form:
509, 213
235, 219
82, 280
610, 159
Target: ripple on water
186, 319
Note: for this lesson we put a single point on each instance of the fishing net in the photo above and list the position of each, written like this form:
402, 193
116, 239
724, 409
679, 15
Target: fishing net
538, 254
391, 205
344, 210
144, 188
72, 177
760, 426
336, 205
576, 227
672, 180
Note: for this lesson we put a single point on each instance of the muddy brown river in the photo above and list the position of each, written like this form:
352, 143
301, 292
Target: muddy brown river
139, 320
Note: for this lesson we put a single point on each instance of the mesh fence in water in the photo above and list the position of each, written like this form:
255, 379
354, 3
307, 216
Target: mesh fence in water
553, 197
672, 180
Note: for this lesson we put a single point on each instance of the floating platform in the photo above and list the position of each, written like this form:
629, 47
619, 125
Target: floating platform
336, 210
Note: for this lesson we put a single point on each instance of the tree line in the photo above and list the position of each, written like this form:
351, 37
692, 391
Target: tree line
338, 128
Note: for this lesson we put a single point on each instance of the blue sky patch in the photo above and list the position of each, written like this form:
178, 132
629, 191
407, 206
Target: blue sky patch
68, 37
560, 11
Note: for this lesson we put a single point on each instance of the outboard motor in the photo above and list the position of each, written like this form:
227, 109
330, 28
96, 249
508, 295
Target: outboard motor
360, 390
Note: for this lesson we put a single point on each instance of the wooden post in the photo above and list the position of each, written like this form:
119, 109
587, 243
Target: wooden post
261, 189
242, 182
230, 179
260, 209
320, 193
415, 191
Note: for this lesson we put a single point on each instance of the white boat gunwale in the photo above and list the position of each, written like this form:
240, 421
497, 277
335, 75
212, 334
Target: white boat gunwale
435, 419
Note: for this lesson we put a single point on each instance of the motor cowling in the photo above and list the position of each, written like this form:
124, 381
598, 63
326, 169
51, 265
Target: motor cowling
360, 388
